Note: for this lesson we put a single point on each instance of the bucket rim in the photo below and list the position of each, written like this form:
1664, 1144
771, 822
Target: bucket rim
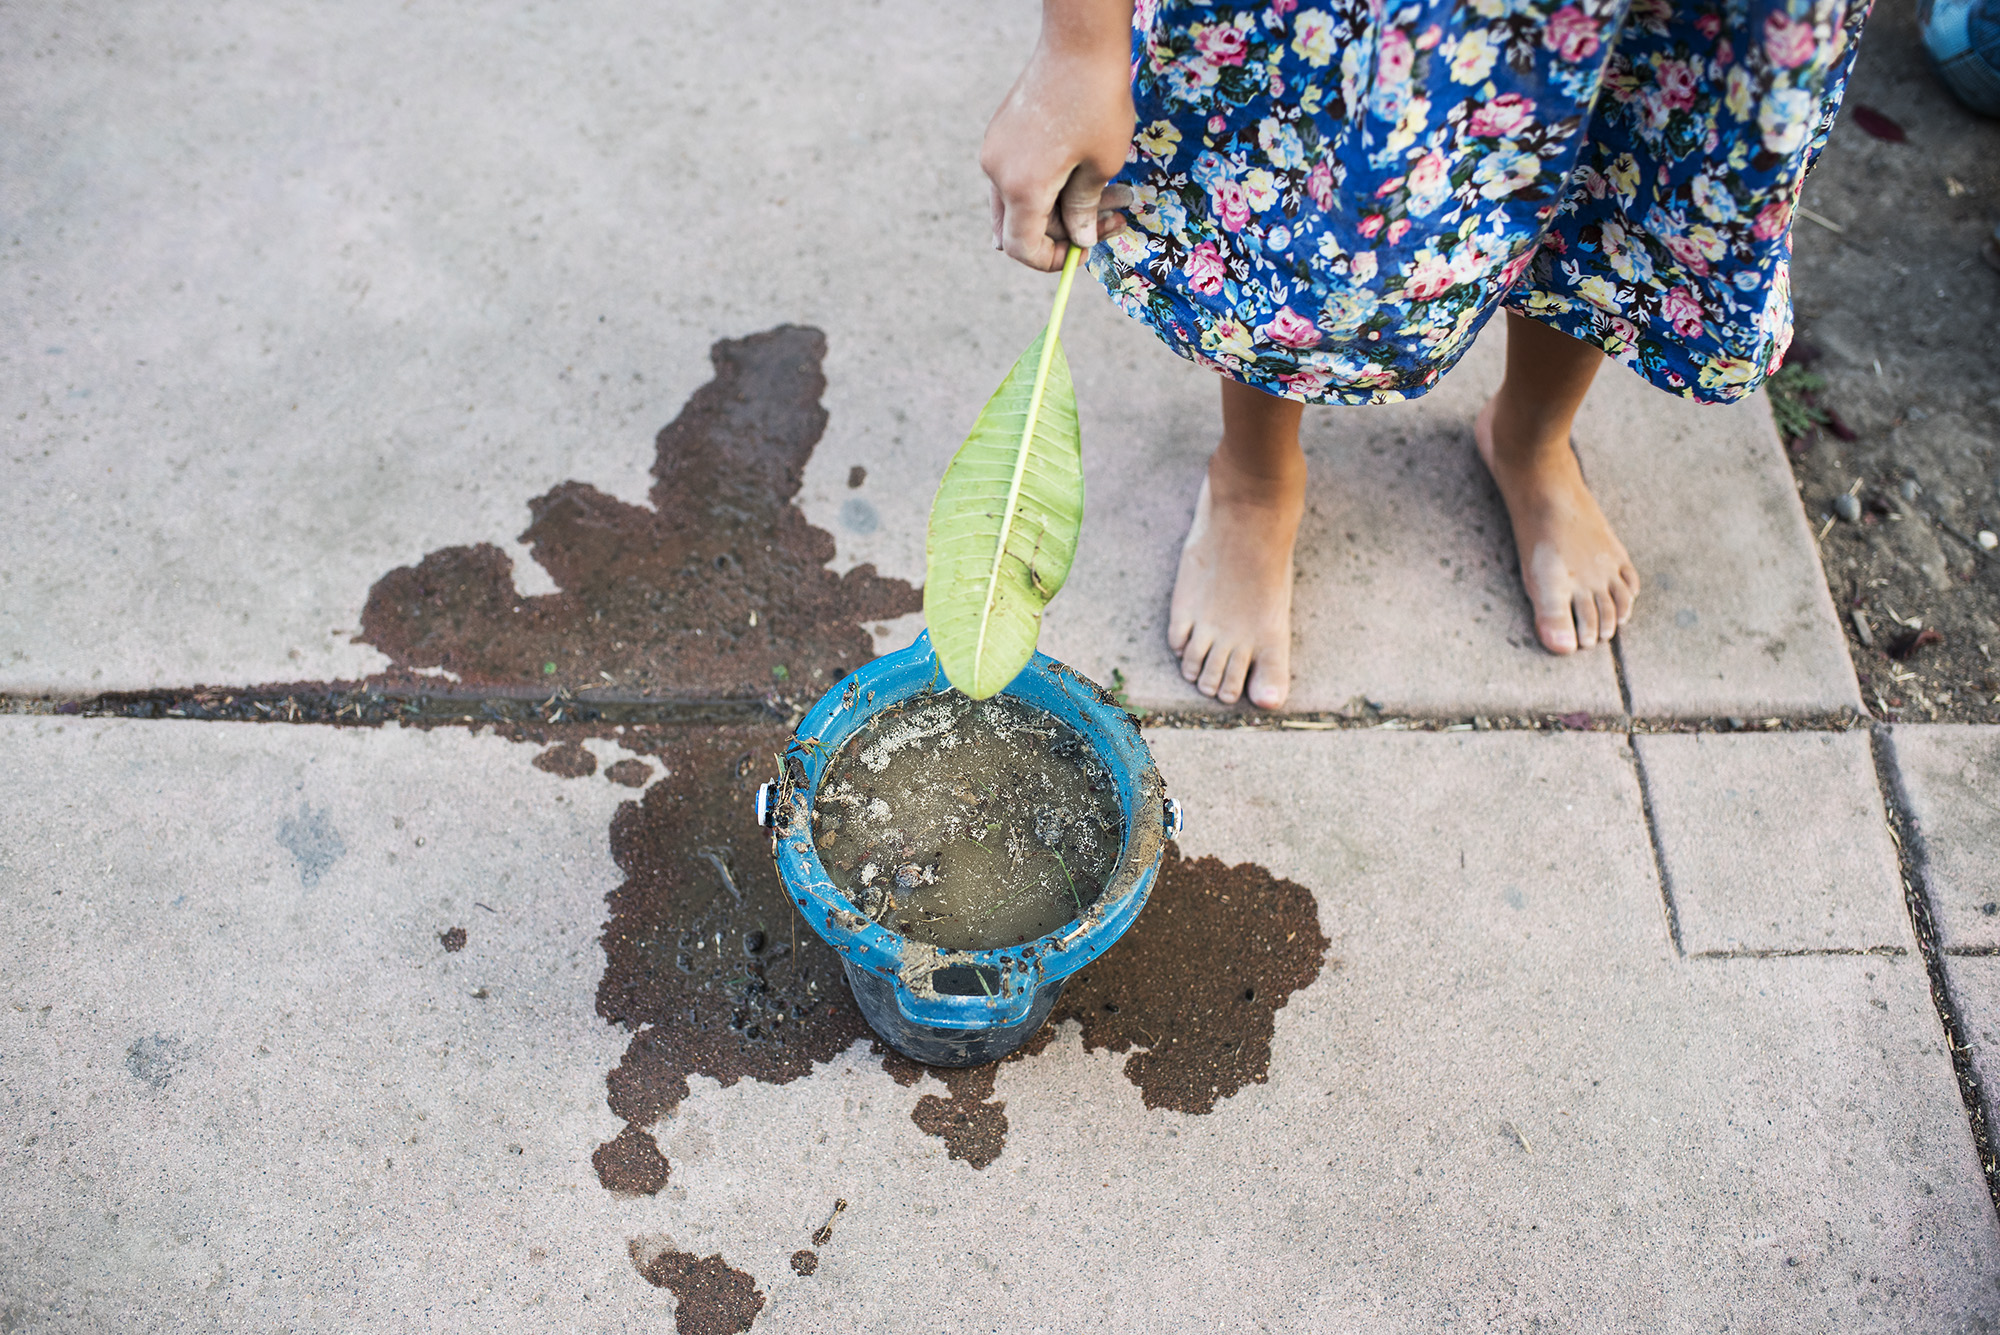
1015, 972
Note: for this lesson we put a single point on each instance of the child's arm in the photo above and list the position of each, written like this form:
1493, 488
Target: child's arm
1062, 133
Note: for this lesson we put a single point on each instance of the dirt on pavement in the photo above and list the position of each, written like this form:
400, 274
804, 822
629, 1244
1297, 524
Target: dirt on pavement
1899, 316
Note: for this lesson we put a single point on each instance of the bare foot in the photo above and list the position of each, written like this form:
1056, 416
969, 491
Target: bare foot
1231, 619
1579, 579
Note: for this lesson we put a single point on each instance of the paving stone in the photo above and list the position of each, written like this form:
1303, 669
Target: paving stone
351, 305
1775, 841
1504, 1099
259, 367
1734, 617
1950, 775
247, 1085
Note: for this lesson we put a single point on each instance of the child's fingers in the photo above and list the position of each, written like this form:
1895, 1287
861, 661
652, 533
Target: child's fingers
1079, 204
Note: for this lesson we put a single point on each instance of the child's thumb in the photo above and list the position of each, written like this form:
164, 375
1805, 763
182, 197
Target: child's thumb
1079, 206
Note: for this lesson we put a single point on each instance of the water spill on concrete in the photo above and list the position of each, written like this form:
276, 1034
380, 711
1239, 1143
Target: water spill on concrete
971, 1122
629, 773
711, 1298
705, 958
719, 591
568, 760
631, 1162
1192, 991
720, 588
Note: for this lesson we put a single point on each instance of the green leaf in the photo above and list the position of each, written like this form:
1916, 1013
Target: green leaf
1005, 522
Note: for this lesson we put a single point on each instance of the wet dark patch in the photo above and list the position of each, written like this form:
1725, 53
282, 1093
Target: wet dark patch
718, 591
971, 1123
629, 773
1196, 984
569, 760
706, 958
452, 939
156, 1059
313, 843
804, 1261
631, 1162
721, 587
711, 1298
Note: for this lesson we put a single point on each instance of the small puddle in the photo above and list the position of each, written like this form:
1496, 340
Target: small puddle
719, 588
710, 1296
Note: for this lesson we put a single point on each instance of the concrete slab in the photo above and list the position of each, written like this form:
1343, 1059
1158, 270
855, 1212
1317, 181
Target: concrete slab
1775, 842
346, 304
1950, 774
1504, 1099
245, 1082
1734, 617
256, 363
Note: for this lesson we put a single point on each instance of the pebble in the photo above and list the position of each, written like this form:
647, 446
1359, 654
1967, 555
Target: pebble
1909, 489
1988, 539
1847, 507
753, 942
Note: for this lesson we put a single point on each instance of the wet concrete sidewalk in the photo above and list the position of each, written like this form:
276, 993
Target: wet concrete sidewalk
429, 494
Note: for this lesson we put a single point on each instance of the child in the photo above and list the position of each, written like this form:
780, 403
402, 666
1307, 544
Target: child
1328, 198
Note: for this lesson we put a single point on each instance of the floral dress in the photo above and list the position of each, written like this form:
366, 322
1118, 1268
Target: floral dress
1333, 199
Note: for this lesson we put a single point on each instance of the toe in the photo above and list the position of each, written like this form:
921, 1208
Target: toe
1621, 599
1194, 652
1231, 689
1555, 625
1584, 608
1271, 677
1179, 629
1607, 615
1212, 669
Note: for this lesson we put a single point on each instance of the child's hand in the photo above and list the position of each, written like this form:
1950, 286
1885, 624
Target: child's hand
1062, 133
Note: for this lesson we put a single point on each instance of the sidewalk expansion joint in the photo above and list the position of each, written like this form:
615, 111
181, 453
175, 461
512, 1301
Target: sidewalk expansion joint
1802, 952
359, 704
1653, 842
1914, 860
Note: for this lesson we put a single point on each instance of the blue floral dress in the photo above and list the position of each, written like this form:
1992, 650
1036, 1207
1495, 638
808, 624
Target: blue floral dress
1333, 198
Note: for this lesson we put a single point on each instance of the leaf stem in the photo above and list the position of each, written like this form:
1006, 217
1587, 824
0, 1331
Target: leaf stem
1031, 420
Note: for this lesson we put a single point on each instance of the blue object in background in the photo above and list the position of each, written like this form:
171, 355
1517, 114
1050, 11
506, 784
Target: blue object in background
964, 1008
1963, 38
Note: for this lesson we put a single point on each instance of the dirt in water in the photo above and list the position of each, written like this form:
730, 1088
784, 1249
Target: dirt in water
968, 825
631, 1162
711, 1297
719, 589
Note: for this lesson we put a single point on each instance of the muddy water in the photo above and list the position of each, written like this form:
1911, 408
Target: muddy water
968, 825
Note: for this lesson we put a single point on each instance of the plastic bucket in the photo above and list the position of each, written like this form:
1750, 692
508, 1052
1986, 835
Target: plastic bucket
963, 1008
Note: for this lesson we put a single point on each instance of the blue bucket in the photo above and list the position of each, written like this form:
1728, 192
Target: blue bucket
959, 1007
